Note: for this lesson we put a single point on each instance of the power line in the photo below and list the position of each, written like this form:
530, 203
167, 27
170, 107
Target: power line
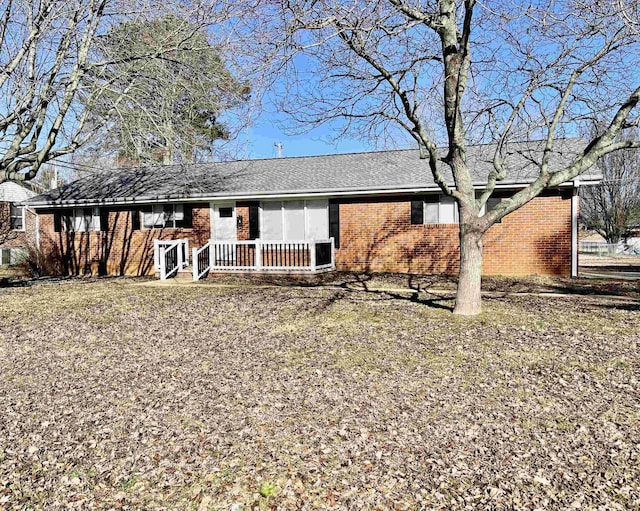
78, 167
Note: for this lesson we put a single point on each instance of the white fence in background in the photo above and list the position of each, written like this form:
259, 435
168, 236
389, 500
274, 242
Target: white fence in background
603, 249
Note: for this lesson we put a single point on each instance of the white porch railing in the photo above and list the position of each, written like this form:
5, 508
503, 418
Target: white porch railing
264, 255
170, 256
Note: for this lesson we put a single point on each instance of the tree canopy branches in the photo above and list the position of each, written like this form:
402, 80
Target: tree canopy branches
165, 87
57, 72
452, 73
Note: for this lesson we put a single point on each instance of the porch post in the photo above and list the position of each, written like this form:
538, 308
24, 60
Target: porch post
156, 255
180, 254
194, 262
163, 275
186, 252
333, 253
258, 255
312, 249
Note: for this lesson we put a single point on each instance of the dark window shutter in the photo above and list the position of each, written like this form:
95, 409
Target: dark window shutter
334, 222
104, 219
135, 219
188, 216
187, 221
57, 221
168, 210
417, 212
68, 220
254, 224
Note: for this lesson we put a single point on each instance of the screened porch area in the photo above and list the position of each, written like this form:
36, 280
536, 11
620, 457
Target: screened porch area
265, 236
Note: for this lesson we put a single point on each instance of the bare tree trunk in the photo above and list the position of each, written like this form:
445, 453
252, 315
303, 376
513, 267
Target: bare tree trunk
468, 296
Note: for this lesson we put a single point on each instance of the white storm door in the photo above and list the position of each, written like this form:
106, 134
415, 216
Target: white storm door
223, 228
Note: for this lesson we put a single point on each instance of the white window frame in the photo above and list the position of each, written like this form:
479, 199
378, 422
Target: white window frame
23, 217
283, 217
456, 212
78, 217
177, 214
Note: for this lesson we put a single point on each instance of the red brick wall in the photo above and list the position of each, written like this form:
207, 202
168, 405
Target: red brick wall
16, 239
118, 251
377, 235
535, 239
242, 211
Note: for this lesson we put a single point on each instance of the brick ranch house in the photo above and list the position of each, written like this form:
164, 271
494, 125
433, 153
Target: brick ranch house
17, 223
375, 211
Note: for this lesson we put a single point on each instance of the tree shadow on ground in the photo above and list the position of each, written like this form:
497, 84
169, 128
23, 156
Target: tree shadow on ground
627, 306
433, 301
363, 287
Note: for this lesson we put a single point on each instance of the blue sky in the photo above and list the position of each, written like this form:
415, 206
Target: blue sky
270, 128
266, 132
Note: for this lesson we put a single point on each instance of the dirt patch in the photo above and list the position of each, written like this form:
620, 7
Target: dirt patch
130, 397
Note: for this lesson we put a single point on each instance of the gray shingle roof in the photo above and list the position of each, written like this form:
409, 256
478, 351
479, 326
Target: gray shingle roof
359, 172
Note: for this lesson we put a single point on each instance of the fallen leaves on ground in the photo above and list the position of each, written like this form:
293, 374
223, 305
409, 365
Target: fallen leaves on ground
118, 396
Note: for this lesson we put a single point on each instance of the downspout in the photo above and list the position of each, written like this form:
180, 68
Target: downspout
575, 210
38, 231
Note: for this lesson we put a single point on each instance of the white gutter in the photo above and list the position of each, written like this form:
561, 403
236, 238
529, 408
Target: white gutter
269, 195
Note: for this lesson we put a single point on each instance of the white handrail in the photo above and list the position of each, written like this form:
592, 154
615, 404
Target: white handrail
160, 250
165, 272
195, 260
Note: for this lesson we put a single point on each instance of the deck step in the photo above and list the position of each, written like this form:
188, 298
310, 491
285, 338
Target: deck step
182, 274
185, 273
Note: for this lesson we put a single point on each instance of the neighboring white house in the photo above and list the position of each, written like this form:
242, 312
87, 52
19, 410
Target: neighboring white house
17, 224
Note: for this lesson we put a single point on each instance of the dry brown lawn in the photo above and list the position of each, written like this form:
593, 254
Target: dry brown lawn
120, 396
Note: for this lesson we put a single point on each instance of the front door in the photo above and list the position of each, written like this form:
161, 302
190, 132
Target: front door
223, 225
223, 228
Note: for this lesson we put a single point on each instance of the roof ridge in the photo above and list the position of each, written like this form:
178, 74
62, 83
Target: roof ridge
330, 155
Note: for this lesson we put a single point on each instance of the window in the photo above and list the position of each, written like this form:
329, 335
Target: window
226, 212
317, 220
10, 256
491, 203
163, 215
17, 217
432, 210
271, 221
435, 209
83, 220
294, 225
295, 220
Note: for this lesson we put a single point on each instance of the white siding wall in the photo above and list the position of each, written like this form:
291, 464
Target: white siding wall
13, 192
